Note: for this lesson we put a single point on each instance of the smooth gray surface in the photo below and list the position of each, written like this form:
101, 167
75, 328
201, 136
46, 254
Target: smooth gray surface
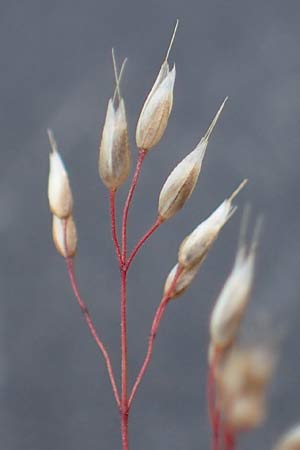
56, 72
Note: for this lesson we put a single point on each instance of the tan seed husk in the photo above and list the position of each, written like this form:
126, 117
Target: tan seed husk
195, 247
114, 153
153, 119
61, 229
59, 190
183, 282
181, 182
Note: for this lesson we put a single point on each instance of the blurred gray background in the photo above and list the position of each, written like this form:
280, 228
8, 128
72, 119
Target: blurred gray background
56, 72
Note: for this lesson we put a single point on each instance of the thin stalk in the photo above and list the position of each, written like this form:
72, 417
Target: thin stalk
229, 439
141, 242
154, 328
214, 414
112, 201
124, 401
141, 157
123, 313
87, 317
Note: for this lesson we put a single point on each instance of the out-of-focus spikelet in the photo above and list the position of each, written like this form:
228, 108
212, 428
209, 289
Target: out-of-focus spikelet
233, 299
290, 440
242, 380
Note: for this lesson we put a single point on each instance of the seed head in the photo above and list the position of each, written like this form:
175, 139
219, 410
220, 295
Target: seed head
155, 113
290, 441
114, 156
195, 246
233, 299
64, 235
59, 190
183, 282
182, 180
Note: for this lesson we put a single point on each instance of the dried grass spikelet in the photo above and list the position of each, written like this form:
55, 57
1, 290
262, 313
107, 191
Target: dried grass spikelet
290, 440
241, 383
233, 299
182, 180
62, 228
155, 113
114, 156
59, 190
195, 247
246, 413
114, 152
183, 282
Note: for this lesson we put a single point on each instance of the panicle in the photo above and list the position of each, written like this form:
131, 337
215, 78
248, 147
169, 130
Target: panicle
64, 235
241, 383
114, 152
233, 299
155, 113
194, 248
290, 440
183, 282
59, 190
181, 182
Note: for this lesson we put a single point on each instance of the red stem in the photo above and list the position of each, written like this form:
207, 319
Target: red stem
124, 393
141, 242
124, 401
214, 413
229, 439
112, 198
154, 328
141, 157
86, 315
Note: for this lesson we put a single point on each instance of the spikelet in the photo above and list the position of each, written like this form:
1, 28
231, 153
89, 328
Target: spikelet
195, 246
114, 152
59, 190
114, 156
155, 113
233, 299
246, 413
290, 440
241, 382
183, 282
61, 229
182, 180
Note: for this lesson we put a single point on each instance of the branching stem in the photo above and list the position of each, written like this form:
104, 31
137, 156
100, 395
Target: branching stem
87, 317
123, 272
141, 242
141, 157
154, 328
